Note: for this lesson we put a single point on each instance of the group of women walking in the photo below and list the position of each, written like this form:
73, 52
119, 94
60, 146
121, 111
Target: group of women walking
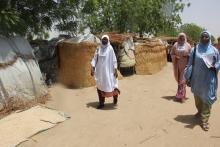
196, 67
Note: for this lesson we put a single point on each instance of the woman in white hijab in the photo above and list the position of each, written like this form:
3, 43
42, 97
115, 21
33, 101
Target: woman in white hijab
104, 69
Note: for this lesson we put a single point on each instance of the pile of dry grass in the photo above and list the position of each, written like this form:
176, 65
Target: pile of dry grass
120, 77
116, 38
150, 56
14, 103
74, 63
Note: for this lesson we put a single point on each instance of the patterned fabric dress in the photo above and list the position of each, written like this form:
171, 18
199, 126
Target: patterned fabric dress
180, 56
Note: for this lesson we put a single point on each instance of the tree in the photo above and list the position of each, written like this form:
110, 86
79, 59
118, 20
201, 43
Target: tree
31, 17
192, 31
141, 16
66, 14
169, 31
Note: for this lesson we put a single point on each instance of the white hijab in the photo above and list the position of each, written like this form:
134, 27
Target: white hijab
104, 48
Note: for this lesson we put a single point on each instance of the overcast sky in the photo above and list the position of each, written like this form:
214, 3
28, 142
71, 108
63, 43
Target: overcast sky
204, 13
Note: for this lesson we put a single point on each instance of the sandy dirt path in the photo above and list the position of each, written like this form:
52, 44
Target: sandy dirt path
146, 115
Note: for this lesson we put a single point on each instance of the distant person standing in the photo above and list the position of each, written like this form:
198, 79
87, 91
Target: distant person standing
215, 44
218, 45
204, 79
104, 68
180, 55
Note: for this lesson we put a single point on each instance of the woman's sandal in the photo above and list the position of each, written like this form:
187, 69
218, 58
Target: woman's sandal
205, 126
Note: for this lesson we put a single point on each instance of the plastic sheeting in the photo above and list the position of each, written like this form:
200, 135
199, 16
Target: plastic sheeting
7, 53
127, 58
23, 78
20, 126
86, 36
22, 46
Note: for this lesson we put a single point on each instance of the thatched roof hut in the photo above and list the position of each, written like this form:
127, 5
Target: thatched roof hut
150, 55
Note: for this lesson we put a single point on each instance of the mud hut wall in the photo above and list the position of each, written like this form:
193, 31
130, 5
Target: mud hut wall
74, 64
150, 58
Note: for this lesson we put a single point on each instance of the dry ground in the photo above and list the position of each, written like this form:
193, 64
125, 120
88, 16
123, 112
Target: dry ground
146, 115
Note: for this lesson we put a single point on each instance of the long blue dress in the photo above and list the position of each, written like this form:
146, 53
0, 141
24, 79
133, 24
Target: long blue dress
204, 81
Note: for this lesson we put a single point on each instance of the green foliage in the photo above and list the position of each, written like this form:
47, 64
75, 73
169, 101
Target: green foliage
213, 39
192, 31
11, 21
65, 15
140, 16
36, 17
169, 31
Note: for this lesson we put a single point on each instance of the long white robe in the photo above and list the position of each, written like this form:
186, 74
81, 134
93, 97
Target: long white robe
105, 63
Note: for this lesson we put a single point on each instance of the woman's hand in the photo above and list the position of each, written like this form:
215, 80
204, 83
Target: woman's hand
212, 68
178, 57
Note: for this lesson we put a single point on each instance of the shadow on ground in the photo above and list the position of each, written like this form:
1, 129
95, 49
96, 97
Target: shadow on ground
173, 98
190, 120
108, 106
169, 98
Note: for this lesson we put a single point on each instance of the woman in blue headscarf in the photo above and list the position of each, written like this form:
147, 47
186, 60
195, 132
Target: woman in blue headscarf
204, 80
